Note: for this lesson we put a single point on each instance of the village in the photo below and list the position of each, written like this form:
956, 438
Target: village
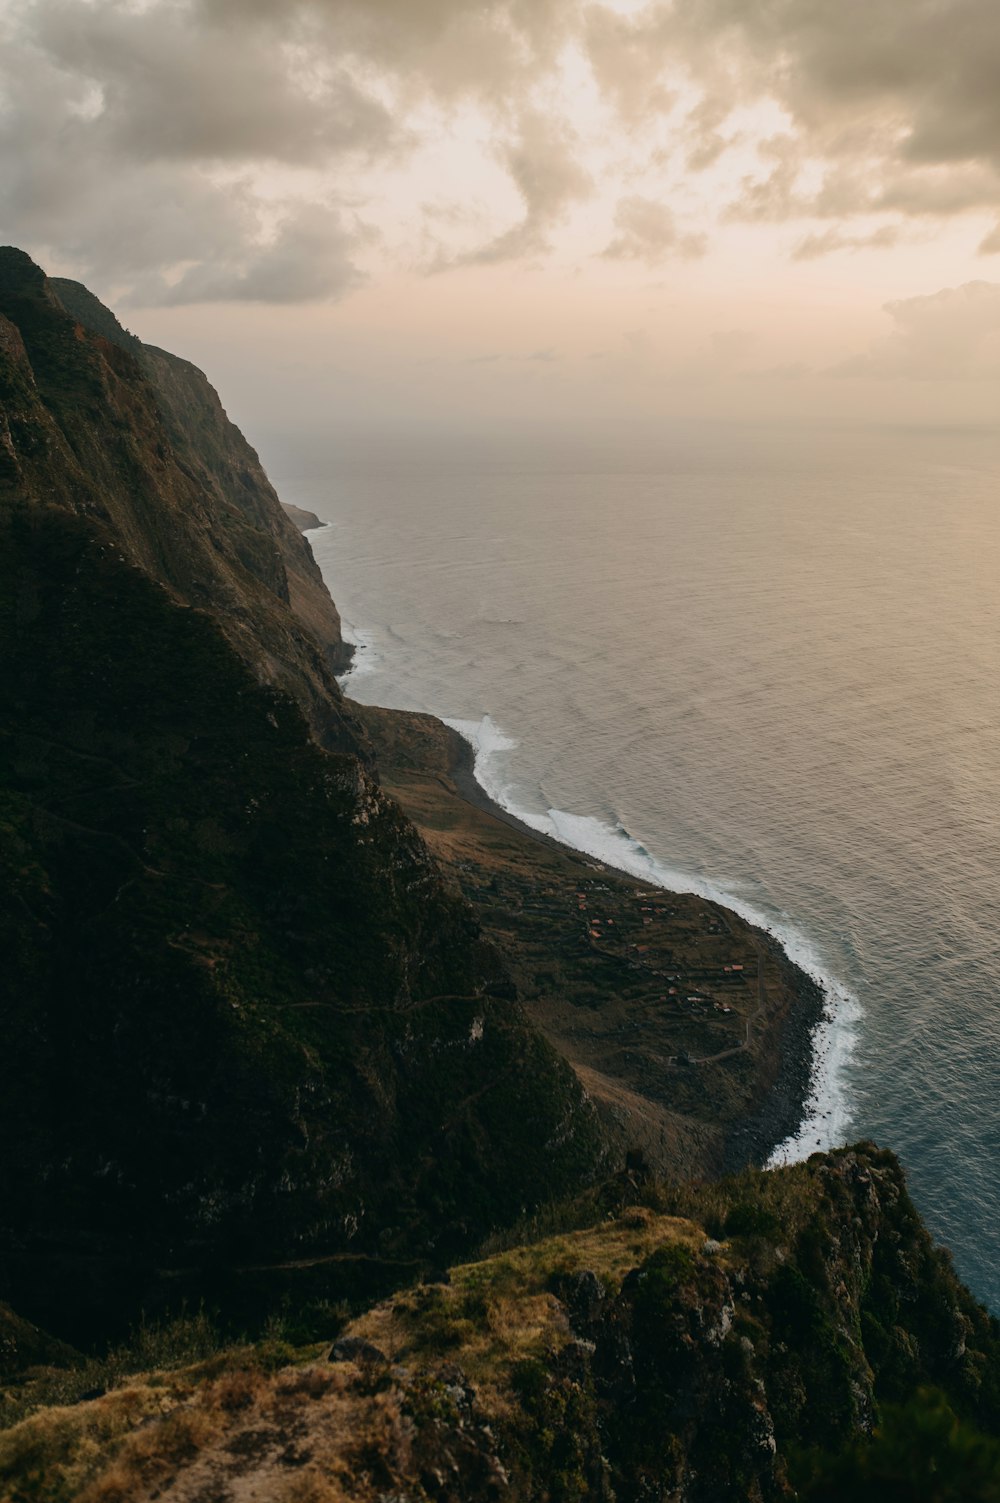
671, 968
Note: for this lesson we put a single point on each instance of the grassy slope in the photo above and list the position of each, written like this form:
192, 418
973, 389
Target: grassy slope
736, 1342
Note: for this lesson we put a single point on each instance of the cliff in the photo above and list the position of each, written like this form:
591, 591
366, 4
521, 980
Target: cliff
229, 476
136, 439
246, 1020
304, 520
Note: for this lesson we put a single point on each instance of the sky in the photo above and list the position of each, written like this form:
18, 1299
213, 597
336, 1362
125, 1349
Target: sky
525, 214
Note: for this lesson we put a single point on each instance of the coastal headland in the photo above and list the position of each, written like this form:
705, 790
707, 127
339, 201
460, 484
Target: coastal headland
363, 1143
689, 1028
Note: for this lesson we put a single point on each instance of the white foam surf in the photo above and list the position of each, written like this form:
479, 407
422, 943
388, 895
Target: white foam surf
365, 658
827, 1110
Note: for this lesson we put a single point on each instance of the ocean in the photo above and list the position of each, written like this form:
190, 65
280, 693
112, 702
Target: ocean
756, 664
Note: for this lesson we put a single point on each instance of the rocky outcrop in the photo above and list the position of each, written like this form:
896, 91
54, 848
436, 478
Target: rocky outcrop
824, 1300
818, 1347
305, 521
644, 1357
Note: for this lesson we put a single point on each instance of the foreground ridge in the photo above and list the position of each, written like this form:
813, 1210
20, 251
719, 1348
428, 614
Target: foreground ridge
784, 1335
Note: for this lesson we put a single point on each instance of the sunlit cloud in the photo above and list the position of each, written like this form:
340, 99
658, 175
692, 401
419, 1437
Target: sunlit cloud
524, 179
953, 334
181, 114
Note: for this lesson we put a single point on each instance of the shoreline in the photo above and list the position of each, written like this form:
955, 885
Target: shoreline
780, 1115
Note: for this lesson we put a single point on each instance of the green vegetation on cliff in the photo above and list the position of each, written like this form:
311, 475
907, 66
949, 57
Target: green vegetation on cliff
820, 1348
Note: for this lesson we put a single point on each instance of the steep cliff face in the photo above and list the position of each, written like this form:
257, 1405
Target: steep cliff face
245, 1020
228, 470
137, 439
744, 1349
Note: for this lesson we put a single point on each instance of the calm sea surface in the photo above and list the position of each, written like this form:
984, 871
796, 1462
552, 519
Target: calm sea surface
759, 665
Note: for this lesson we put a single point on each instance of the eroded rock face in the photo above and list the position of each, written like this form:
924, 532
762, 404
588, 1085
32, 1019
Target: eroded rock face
11, 343
706, 1371
110, 428
305, 521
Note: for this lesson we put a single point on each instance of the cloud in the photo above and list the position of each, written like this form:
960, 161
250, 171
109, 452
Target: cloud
896, 102
990, 246
307, 259
130, 142
647, 231
629, 71
951, 188
140, 144
928, 69
161, 231
447, 48
952, 335
542, 162
167, 89
828, 241
165, 143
